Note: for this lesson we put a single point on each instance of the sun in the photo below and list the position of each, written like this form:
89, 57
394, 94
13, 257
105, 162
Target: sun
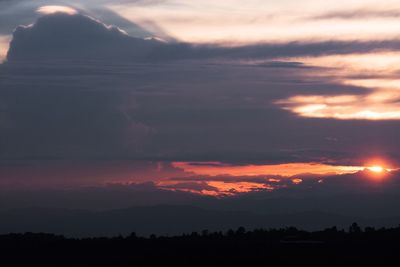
376, 169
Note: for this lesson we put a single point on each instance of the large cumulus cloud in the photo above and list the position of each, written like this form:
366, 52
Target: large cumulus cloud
17, 12
88, 91
62, 36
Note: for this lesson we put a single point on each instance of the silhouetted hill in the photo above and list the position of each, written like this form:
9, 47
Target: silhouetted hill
164, 220
366, 205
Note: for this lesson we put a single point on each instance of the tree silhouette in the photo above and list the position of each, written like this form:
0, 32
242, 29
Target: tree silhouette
355, 229
259, 247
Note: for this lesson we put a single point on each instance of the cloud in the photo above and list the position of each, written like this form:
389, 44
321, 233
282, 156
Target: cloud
110, 196
64, 36
58, 173
83, 103
150, 104
198, 187
23, 12
364, 181
110, 17
4, 45
175, 111
359, 14
287, 170
360, 193
376, 73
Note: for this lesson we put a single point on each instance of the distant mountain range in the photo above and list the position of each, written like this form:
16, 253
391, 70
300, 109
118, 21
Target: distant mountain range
166, 220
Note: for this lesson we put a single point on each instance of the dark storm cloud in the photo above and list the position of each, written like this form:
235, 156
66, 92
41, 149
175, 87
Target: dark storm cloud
62, 123
180, 112
111, 196
157, 111
63, 36
120, 104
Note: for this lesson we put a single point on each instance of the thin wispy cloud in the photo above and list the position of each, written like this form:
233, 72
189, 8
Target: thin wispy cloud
360, 14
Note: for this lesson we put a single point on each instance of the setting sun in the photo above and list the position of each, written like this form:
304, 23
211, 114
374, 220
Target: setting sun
376, 169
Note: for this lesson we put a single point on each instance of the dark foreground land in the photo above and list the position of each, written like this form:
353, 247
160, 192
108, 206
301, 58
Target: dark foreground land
289, 246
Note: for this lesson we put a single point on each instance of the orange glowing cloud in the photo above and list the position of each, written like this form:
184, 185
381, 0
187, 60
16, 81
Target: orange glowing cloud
219, 179
287, 170
4, 45
351, 107
239, 187
297, 181
218, 188
374, 72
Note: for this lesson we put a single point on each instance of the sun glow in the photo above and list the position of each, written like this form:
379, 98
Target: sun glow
378, 173
4, 45
46, 10
376, 169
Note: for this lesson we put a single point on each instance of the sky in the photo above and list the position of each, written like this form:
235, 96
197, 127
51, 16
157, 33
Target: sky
211, 98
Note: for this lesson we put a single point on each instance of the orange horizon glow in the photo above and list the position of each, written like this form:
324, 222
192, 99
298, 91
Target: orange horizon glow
377, 171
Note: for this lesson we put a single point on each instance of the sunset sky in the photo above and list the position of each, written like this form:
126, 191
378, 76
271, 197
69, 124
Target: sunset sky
214, 98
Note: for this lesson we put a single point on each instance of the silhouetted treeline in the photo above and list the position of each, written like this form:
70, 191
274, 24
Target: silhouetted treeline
238, 247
